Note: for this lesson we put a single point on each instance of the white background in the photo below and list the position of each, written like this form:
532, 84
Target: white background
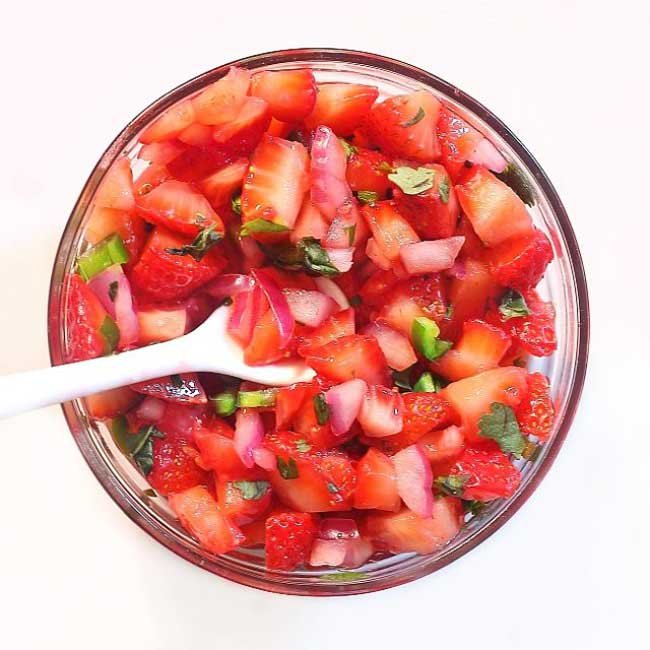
571, 570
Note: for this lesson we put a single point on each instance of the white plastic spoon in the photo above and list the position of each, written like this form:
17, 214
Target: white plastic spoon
209, 348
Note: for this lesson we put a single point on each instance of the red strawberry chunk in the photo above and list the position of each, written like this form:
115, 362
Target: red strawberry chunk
160, 275
367, 171
520, 263
116, 189
170, 123
488, 472
289, 538
290, 94
220, 102
240, 136
219, 187
389, 229
174, 467
536, 413
184, 388
341, 106
405, 126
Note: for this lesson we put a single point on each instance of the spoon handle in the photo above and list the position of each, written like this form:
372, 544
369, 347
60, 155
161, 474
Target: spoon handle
29, 390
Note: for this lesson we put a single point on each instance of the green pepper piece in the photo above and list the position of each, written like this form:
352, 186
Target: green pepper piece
251, 399
225, 403
427, 383
107, 252
111, 333
424, 333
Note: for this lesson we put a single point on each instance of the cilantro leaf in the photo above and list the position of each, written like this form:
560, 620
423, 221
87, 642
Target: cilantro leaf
415, 119
112, 290
138, 446
302, 446
516, 180
321, 409
443, 191
366, 196
451, 485
261, 225
315, 257
403, 379
332, 489
348, 147
413, 181
473, 507
513, 305
287, 468
501, 426
252, 490
235, 204
202, 243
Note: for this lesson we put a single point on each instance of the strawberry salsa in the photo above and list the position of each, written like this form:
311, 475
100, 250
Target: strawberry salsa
387, 243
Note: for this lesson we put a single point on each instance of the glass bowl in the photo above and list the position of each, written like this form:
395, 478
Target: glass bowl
564, 283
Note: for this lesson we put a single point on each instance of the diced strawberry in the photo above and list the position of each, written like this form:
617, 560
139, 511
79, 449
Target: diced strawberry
243, 501
240, 136
434, 212
469, 296
157, 325
520, 263
220, 102
84, 316
376, 483
161, 275
534, 332
276, 183
290, 94
219, 187
279, 129
116, 189
254, 533
310, 223
472, 397
195, 163
288, 401
351, 357
481, 347
389, 229
458, 140
104, 222
161, 153
536, 413
417, 296
180, 208
264, 346
197, 135
184, 388
289, 538
489, 474
181, 420
111, 403
154, 175
473, 246
174, 467
367, 171
174, 120
406, 532
396, 347
381, 413
214, 440
495, 211
341, 106
336, 326
200, 515
442, 446
405, 126
375, 289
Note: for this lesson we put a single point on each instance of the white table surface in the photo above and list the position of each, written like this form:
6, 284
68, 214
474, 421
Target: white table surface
571, 569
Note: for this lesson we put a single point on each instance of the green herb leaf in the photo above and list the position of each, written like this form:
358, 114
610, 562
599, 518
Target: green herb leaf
515, 178
302, 446
111, 334
225, 403
252, 490
287, 468
531, 451
424, 333
449, 312
473, 507
315, 257
202, 243
112, 290
332, 489
385, 167
256, 398
366, 196
321, 409
413, 181
415, 119
403, 379
513, 305
348, 147
344, 576
176, 380
501, 426
428, 383
451, 485
139, 446
443, 191
261, 225
235, 204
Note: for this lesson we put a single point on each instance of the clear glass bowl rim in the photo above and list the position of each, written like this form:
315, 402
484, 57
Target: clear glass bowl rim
380, 62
